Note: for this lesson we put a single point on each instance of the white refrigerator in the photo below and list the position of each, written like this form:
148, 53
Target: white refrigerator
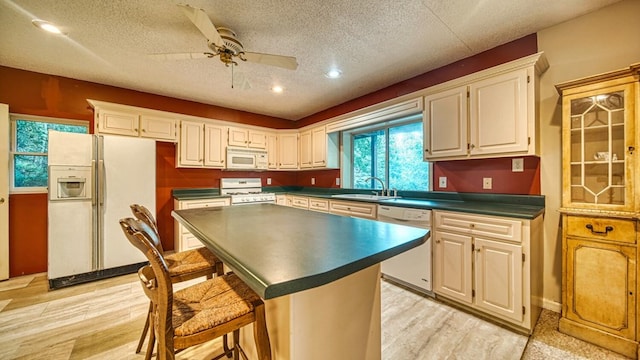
92, 181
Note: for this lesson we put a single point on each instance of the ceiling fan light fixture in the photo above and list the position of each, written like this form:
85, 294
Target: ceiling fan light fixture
47, 26
333, 74
277, 89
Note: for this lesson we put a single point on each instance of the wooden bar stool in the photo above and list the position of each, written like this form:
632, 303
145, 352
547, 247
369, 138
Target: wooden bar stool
199, 313
183, 266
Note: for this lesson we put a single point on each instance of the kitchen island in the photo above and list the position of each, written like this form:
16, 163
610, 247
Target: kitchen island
318, 273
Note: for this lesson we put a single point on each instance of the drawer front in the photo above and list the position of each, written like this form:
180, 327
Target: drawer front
619, 230
300, 202
195, 204
480, 225
319, 205
190, 242
349, 208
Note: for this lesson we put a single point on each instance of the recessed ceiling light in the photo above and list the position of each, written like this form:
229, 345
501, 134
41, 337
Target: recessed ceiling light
47, 26
277, 89
333, 74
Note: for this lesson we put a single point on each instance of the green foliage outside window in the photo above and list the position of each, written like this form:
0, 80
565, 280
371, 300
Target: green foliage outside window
399, 165
30, 150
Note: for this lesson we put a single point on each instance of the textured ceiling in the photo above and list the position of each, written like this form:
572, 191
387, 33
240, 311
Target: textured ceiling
375, 43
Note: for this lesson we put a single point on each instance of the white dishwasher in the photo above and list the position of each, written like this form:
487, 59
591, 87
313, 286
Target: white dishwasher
411, 268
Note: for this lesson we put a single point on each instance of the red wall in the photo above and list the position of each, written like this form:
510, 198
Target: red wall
467, 176
34, 93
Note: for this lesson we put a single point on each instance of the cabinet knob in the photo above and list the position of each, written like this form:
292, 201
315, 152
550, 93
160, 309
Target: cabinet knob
426, 150
631, 149
437, 241
144, 130
1, 200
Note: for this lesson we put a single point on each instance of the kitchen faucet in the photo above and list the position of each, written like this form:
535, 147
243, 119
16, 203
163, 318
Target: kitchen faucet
379, 180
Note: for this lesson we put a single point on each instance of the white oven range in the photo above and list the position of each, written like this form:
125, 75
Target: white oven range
244, 191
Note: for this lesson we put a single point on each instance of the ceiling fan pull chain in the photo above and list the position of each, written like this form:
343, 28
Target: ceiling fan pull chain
232, 75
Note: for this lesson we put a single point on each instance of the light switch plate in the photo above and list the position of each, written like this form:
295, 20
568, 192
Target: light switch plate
442, 182
268, 181
337, 181
517, 165
486, 183
313, 181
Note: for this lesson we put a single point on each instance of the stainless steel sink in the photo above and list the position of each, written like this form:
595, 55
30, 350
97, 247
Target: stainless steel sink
363, 196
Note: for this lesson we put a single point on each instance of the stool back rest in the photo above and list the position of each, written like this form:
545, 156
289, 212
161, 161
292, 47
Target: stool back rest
143, 237
149, 283
143, 214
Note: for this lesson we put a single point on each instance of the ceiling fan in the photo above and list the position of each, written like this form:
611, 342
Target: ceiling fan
223, 42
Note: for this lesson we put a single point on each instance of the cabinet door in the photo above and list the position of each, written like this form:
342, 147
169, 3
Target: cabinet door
158, 128
600, 286
452, 266
599, 139
319, 147
305, 150
288, 151
498, 114
445, 124
498, 278
257, 139
272, 151
214, 146
184, 240
238, 137
191, 144
118, 123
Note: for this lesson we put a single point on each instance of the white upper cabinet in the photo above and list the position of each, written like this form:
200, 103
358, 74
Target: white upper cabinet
306, 150
159, 128
445, 124
272, 150
214, 146
201, 145
491, 113
288, 150
318, 149
498, 121
249, 138
125, 120
191, 147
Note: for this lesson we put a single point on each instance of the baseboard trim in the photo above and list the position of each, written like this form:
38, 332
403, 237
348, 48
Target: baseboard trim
552, 305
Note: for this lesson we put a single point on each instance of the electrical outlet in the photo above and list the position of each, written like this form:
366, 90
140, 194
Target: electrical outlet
313, 181
442, 182
517, 165
268, 181
486, 183
338, 181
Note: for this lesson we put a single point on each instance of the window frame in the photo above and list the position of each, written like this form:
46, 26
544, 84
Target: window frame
13, 138
348, 151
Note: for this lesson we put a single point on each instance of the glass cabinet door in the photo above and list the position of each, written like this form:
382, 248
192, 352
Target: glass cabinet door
601, 140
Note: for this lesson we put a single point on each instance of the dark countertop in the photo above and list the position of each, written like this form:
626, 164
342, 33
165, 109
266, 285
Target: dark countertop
279, 250
515, 206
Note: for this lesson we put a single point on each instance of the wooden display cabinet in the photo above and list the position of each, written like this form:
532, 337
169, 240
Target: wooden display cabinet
600, 210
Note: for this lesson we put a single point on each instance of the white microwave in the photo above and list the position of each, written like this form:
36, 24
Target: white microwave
246, 159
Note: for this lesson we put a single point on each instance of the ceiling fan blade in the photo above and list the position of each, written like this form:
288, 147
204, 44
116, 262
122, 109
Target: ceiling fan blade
181, 56
202, 21
287, 62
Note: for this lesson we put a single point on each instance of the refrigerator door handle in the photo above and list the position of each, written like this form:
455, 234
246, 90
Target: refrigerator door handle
101, 182
93, 183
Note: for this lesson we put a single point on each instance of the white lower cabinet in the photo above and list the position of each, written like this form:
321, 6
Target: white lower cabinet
183, 239
490, 264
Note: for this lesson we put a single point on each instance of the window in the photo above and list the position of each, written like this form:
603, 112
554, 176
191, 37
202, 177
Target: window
391, 152
29, 142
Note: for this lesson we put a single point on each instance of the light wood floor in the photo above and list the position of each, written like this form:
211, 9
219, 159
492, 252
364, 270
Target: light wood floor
103, 319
